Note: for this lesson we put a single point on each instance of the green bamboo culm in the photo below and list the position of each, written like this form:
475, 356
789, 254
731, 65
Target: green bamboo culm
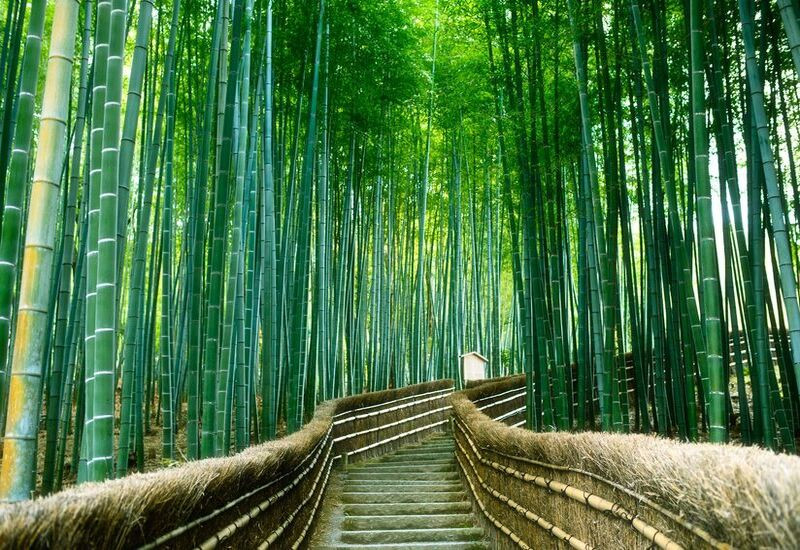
240, 376
136, 285
168, 379
99, 90
419, 338
269, 354
199, 403
773, 191
298, 354
13, 215
709, 272
217, 254
791, 24
100, 465
596, 238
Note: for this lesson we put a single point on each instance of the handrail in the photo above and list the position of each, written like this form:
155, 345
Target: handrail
602, 505
392, 424
495, 396
504, 529
500, 402
390, 409
694, 529
384, 403
586, 498
510, 414
314, 510
243, 520
393, 438
551, 528
327, 442
276, 533
180, 530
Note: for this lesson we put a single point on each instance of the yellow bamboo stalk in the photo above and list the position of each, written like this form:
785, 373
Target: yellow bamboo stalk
18, 474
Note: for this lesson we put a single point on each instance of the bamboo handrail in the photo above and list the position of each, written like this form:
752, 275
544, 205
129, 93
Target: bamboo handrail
591, 500
548, 526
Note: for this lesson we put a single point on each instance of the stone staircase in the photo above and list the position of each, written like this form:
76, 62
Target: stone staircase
410, 499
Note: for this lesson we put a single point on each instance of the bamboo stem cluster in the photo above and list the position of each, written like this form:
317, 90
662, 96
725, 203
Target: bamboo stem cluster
241, 209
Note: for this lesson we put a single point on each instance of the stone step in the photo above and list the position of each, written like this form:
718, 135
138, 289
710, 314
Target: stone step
411, 499
367, 523
420, 455
459, 545
402, 487
406, 508
431, 447
417, 459
403, 467
406, 476
389, 497
404, 482
429, 443
394, 536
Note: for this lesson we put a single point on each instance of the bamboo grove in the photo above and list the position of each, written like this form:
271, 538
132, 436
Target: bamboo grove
219, 213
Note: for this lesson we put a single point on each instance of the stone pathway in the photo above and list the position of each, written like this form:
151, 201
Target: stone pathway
410, 499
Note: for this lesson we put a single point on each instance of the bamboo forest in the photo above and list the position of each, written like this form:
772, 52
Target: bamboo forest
223, 220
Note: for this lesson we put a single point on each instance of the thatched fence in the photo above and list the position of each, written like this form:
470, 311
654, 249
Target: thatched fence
266, 496
559, 490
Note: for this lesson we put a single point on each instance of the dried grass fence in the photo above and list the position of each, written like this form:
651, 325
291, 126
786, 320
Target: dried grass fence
266, 496
592, 490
